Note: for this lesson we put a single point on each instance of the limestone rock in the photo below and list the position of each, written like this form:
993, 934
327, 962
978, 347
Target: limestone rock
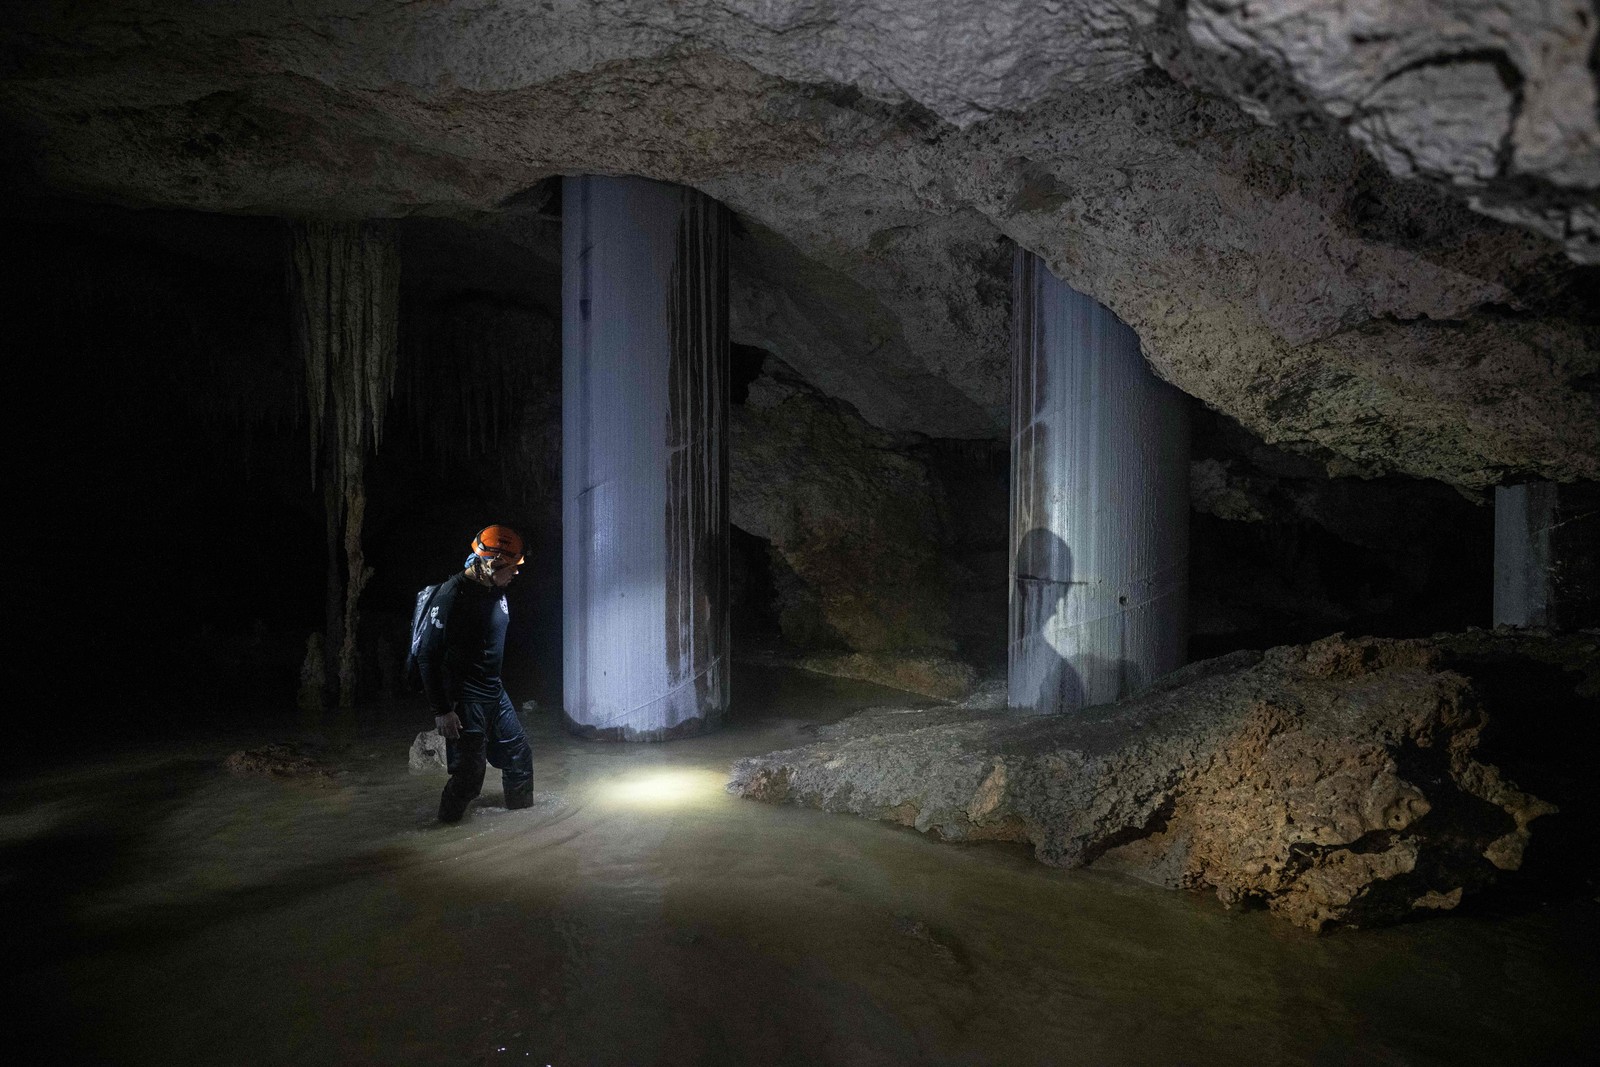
1296, 205
865, 534
1481, 95
1340, 782
849, 511
428, 753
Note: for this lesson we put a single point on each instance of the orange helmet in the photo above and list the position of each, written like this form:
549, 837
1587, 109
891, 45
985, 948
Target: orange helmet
498, 546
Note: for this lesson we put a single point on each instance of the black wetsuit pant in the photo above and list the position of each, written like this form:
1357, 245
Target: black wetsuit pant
489, 732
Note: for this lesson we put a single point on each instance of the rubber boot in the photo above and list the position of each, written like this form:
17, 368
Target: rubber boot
519, 796
451, 808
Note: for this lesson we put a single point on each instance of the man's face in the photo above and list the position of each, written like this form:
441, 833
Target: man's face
500, 574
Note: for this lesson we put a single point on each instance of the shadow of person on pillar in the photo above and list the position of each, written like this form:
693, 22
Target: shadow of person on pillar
1057, 660
1041, 678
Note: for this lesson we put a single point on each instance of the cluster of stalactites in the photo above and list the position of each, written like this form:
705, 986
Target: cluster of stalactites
344, 284
345, 281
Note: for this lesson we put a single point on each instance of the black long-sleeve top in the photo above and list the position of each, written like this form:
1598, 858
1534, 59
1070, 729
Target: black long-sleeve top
463, 643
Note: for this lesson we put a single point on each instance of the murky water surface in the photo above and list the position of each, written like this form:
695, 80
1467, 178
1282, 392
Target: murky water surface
162, 911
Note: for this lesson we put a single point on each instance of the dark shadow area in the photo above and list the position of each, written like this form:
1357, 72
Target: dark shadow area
1042, 678
974, 483
1280, 553
53, 884
112, 818
744, 366
753, 591
1543, 727
765, 691
174, 537
170, 515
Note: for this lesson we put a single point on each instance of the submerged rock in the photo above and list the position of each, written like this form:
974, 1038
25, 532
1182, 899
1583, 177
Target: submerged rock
279, 759
1340, 782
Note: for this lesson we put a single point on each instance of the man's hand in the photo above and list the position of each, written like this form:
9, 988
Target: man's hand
448, 724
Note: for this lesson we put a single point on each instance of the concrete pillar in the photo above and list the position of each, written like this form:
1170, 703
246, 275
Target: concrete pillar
1547, 555
1099, 504
644, 485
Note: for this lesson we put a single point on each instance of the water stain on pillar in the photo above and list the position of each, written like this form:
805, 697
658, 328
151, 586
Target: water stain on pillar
697, 578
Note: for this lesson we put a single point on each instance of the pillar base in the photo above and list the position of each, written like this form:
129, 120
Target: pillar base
686, 728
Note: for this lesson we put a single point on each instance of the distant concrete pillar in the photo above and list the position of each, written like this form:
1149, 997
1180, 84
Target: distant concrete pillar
1099, 504
644, 487
1547, 555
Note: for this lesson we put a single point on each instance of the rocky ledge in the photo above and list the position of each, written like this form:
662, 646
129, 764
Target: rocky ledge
1348, 781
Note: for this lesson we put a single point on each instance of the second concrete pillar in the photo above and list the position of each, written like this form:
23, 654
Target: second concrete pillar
1099, 504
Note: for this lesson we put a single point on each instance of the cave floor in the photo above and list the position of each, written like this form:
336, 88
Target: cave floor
161, 910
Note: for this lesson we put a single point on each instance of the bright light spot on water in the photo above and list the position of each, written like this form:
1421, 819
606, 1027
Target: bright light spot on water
664, 789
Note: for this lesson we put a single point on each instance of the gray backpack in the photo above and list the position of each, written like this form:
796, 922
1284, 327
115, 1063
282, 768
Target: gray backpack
412, 674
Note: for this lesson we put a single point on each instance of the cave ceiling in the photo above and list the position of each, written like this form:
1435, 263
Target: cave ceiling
1365, 229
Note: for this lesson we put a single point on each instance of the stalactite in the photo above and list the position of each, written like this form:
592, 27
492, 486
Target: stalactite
344, 281
358, 574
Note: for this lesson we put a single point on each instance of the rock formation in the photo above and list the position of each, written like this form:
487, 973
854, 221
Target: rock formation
854, 519
1352, 227
1343, 782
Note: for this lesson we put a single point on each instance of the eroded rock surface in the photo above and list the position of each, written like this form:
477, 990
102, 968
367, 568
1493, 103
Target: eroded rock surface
1297, 205
1485, 95
1341, 782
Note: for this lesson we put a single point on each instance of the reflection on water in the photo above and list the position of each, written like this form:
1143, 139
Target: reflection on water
667, 789
160, 911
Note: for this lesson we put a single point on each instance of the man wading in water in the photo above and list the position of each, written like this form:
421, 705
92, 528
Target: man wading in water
462, 644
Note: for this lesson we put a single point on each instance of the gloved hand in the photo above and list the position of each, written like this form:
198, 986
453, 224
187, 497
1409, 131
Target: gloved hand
448, 724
